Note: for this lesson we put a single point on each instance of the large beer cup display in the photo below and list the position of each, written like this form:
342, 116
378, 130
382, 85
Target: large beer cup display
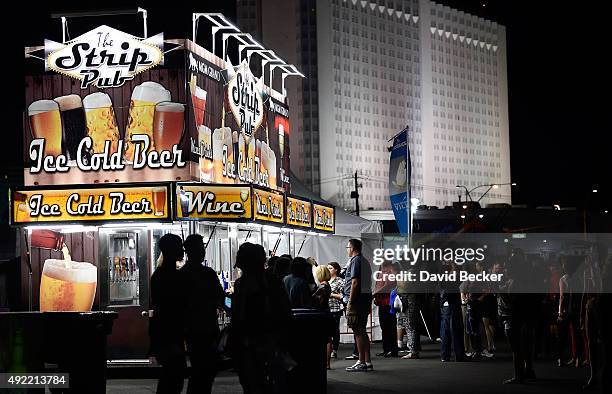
101, 122
145, 97
67, 286
46, 123
168, 125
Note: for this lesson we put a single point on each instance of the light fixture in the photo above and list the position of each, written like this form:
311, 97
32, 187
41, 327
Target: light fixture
464, 206
462, 216
481, 216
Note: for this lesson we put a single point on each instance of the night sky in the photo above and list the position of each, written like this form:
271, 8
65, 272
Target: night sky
558, 83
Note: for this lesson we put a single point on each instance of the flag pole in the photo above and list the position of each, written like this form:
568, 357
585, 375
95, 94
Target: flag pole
408, 194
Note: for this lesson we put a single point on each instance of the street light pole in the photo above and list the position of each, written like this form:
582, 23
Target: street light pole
467, 192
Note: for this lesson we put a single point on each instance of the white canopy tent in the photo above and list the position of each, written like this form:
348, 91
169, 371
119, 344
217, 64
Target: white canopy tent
333, 247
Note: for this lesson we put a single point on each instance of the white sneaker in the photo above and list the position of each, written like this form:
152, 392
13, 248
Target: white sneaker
486, 353
370, 366
357, 367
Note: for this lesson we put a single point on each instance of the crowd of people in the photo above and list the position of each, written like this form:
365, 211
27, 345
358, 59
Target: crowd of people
557, 309
569, 321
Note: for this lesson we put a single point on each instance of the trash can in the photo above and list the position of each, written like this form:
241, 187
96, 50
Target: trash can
310, 332
73, 341
76, 342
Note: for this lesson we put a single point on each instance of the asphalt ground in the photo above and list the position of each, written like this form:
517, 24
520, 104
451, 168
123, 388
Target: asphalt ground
427, 375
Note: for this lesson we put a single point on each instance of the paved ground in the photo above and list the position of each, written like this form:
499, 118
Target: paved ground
424, 376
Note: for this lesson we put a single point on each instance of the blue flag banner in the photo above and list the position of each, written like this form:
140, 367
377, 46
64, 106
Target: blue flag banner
399, 181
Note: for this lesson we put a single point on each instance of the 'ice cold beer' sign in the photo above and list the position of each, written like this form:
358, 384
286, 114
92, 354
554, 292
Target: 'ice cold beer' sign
90, 204
104, 57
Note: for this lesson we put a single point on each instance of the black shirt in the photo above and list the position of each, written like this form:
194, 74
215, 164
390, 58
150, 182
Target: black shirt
202, 296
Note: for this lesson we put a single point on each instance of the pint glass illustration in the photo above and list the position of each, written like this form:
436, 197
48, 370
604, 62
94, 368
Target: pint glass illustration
46, 123
67, 286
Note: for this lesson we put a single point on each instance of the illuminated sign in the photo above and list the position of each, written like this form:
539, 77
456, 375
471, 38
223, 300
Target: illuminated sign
269, 205
104, 57
324, 217
298, 212
245, 97
90, 204
213, 202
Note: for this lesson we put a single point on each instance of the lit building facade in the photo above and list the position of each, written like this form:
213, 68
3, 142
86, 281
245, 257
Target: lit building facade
375, 67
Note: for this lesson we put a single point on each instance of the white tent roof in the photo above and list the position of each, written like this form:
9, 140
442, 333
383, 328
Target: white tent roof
347, 224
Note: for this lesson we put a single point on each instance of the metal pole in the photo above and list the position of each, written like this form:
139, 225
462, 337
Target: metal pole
356, 195
408, 194
302, 245
425, 324
29, 262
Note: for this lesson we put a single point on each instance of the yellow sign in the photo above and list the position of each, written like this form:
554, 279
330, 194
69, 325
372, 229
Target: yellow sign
324, 218
299, 212
211, 202
269, 205
90, 204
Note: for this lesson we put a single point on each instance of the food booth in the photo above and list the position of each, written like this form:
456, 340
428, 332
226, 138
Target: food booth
128, 138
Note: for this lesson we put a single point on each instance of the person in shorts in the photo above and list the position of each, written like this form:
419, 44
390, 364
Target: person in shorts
358, 297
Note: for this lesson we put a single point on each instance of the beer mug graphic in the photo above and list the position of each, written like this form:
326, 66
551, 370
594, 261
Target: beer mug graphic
67, 286
168, 125
46, 123
101, 122
145, 98
74, 126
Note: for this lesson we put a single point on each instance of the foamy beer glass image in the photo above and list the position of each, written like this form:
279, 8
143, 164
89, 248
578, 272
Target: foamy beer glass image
159, 201
206, 163
73, 122
101, 122
67, 286
281, 139
22, 209
198, 97
145, 97
168, 125
46, 123
221, 138
268, 163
